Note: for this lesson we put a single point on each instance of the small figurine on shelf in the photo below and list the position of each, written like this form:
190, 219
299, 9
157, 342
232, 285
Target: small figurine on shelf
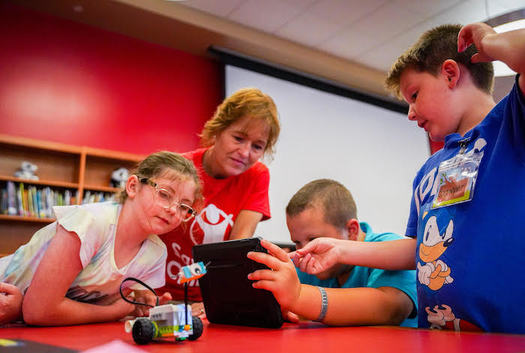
27, 171
119, 177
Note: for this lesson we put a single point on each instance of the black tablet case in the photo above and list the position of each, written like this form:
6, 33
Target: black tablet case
228, 295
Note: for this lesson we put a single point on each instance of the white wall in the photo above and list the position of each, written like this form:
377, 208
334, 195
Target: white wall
374, 152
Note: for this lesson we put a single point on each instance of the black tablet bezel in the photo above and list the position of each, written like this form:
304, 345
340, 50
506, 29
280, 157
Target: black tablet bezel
227, 293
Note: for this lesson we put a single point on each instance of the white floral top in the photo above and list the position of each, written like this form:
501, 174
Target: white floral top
95, 224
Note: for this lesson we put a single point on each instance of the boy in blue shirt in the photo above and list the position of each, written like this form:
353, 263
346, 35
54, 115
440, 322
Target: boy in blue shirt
467, 219
342, 294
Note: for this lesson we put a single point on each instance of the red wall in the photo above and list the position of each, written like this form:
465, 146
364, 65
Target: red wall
76, 84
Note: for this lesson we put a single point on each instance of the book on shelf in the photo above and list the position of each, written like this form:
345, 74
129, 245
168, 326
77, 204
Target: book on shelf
11, 198
4, 199
29, 202
91, 197
18, 199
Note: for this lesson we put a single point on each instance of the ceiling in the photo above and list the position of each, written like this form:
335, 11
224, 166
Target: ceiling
372, 32
349, 42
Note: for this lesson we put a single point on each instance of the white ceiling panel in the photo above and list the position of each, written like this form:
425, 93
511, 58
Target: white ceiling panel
466, 12
369, 32
329, 17
360, 37
427, 8
267, 15
384, 55
220, 8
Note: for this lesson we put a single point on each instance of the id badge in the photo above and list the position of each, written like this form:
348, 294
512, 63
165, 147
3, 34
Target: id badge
457, 179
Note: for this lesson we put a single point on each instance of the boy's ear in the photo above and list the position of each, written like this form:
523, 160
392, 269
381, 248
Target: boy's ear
451, 72
132, 185
352, 226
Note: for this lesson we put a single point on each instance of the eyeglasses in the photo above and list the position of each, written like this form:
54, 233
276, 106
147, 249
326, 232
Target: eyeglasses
166, 199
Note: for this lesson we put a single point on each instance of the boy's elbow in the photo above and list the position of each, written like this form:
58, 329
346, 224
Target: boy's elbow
398, 306
396, 317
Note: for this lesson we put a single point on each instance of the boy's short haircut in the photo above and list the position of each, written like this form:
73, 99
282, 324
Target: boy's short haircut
332, 197
431, 50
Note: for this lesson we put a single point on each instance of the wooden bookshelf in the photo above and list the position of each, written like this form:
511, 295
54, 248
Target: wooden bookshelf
60, 167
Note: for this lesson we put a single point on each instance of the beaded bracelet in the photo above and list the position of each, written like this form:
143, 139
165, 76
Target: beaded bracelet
324, 304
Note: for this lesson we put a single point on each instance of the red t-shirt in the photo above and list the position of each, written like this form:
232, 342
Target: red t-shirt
223, 200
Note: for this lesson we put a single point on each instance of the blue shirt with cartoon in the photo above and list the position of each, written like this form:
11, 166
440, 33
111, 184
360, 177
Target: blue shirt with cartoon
468, 214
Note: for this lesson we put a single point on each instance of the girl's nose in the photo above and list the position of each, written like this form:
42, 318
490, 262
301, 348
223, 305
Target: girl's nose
411, 113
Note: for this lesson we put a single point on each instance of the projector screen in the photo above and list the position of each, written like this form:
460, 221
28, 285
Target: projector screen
373, 151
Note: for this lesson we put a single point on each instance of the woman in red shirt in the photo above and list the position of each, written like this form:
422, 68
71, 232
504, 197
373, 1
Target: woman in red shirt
244, 128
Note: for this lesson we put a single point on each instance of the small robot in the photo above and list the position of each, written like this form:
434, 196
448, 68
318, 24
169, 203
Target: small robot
170, 320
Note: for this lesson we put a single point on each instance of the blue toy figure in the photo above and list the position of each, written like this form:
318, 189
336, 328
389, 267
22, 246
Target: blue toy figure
191, 272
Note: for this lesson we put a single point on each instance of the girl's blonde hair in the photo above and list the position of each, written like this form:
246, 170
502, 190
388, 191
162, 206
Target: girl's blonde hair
246, 102
157, 163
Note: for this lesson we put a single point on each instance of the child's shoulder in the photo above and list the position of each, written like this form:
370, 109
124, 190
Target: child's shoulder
80, 218
97, 209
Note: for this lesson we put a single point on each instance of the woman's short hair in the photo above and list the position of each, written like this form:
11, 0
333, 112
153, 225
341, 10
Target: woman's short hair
246, 102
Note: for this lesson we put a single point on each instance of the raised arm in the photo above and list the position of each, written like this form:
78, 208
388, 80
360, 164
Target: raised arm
508, 47
322, 253
45, 302
346, 306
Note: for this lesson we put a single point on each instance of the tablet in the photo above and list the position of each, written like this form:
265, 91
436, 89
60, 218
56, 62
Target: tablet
227, 293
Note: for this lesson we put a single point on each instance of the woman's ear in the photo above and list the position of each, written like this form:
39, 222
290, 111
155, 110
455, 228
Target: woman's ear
132, 185
451, 72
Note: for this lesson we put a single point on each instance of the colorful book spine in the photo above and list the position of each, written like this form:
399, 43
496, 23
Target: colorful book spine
11, 199
19, 199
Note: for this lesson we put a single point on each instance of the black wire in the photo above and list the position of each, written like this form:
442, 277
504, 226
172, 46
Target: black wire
142, 283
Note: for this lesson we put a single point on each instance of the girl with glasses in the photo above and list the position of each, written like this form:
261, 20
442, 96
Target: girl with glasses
71, 270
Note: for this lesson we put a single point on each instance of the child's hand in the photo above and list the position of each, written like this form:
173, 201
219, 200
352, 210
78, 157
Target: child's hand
10, 303
317, 256
281, 279
197, 309
164, 298
147, 297
474, 34
120, 308
290, 317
